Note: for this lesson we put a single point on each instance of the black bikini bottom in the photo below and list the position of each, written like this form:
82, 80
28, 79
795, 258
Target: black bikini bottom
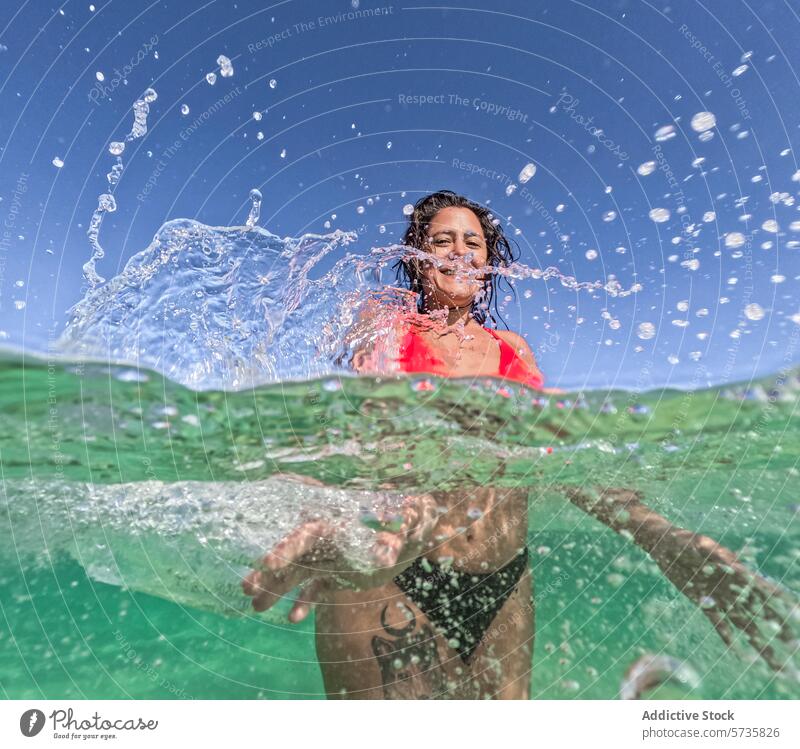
461, 604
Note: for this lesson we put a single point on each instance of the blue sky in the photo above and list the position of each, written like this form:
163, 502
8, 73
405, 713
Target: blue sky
377, 105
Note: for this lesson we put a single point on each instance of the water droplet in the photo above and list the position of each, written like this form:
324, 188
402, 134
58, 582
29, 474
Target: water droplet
389, 145
149, 95
225, 66
770, 225
211, 78
19, 304
57, 162
99, 76
659, 215
116, 147
259, 135
665, 133
408, 209
273, 83
591, 254
648, 167
646, 330
703, 121
527, 173
754, 312
734, 239
255, 207
184, 109
283, 153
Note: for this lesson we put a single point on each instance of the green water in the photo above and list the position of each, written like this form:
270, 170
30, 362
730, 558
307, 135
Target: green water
70, 626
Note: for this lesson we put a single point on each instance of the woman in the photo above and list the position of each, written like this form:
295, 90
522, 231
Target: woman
448, 611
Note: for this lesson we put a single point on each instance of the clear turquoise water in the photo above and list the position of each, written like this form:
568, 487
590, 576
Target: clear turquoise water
131, 504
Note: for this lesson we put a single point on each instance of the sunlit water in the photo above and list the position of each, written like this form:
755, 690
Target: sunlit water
137, 493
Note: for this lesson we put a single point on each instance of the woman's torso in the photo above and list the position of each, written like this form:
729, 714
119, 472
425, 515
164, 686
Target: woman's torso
480, 528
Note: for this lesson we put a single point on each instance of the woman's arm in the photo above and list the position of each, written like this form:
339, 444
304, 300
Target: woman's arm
706, 572
311, 556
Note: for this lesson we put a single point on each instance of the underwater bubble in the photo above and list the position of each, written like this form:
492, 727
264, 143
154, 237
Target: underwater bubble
659, 215
777, 278
184, 109
211, 78
682, 306
283, 153
510, 189
360, 209
646, 330
19, 304
560, 208
527, 173
703, 121
609, 216
58, 162
115, 148
668, 675
259, 135
698, 162
664, 133
257, 116
99, 76
408, 209
754, 311
709, 216
273, 83
738, 71
225, 66
770, 225
591, 254
734, 240
648, 167
149, 96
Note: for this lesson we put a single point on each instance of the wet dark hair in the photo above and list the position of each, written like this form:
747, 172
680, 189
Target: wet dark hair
499, 249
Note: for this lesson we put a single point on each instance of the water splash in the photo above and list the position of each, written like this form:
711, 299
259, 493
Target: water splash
106, 202
236, 307
671, 677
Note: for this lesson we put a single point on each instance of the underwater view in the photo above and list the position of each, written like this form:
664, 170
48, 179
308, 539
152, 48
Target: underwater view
445, 302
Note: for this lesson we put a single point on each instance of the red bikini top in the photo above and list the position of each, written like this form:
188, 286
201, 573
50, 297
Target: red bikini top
416, 356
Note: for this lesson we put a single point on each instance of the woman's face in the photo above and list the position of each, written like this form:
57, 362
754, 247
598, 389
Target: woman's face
456, 238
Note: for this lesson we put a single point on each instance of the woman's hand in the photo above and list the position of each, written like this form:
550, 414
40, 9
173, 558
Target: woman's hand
729, 593
311, 557
709, 574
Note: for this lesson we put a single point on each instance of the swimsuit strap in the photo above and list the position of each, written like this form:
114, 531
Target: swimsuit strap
507, 353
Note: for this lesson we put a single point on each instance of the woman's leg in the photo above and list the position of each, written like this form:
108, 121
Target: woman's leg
503, 662
377, 644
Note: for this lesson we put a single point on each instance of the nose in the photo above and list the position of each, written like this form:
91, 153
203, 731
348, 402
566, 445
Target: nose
460, 248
